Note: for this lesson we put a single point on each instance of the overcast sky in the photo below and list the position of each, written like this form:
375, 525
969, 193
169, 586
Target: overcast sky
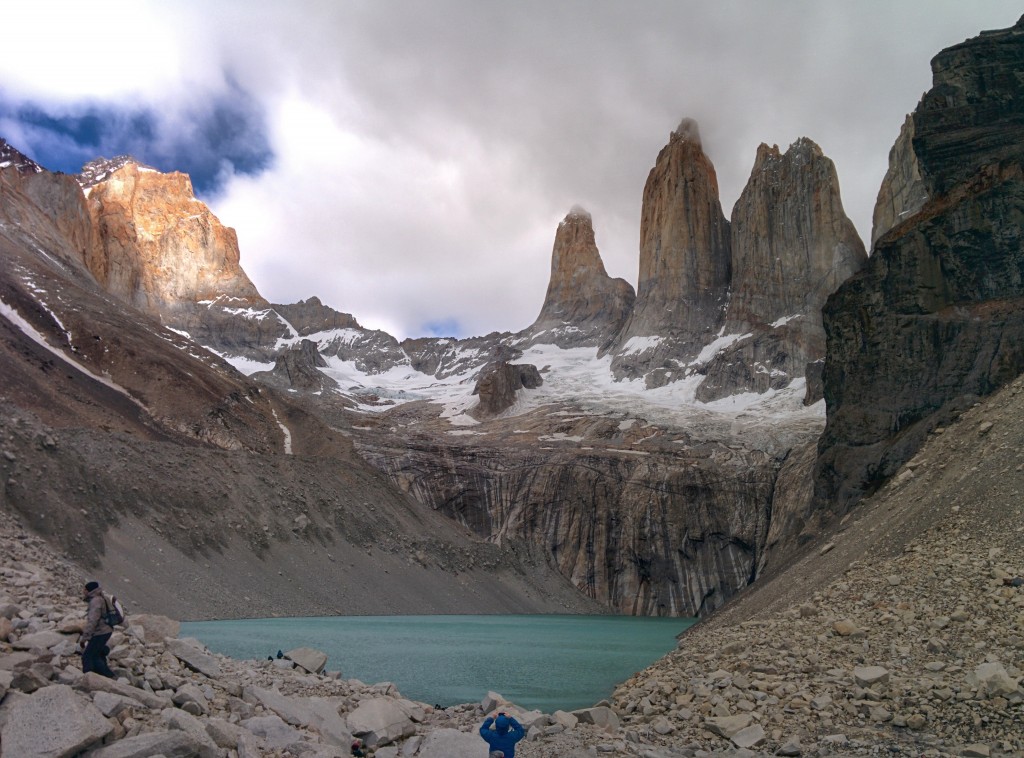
408, 162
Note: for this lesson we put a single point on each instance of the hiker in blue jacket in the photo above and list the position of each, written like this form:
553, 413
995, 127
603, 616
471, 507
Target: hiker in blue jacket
505, 734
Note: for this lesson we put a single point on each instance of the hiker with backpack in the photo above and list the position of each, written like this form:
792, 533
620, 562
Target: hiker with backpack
99, 625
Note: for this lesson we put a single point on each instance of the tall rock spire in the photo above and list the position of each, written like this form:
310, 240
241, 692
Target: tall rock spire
684, 242
792, 243
792, 246
684, 260
583, 305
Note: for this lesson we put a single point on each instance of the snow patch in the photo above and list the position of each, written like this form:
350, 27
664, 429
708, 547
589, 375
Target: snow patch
720, 344
784, 320
286, 431
641, 344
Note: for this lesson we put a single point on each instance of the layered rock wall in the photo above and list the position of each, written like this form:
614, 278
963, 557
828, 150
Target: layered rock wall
936, 318
655, 529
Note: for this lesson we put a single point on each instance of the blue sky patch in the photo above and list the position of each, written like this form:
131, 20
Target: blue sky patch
222, 135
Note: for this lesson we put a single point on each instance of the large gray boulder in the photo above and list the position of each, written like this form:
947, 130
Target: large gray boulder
156, 627
273, 730
175, 718
93, 682
194, 658
54, 722
600, 716
380, 721
168, 744
451, 743
40, 640
315, 713
307, 658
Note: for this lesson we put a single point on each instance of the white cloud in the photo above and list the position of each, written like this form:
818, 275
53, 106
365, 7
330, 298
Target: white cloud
424, 153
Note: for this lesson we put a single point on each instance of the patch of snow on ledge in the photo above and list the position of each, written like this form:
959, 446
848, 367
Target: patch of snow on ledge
640, 344
720, 344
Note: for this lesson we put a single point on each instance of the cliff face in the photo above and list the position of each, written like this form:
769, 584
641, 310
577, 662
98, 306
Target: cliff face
936, 318
792, 245
42, 209
902, 193
636, 515
583, 305
684, 261
159, 248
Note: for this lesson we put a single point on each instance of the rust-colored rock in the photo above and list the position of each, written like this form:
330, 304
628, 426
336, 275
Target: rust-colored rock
684, 258
159, 248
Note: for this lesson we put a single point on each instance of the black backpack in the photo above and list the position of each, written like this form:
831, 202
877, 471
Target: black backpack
114, 611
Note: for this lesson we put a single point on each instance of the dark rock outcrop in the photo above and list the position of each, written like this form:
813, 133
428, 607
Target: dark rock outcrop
296, 369
936, 318
311, 316
583, 305
498, 384
11, 157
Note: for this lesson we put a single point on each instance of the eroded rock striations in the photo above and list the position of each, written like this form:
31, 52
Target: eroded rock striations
583, 305
936, 317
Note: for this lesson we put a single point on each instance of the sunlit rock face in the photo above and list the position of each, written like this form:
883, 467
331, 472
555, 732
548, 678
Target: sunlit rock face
936, 317
158, 247
792, 246
684, 262
583, 305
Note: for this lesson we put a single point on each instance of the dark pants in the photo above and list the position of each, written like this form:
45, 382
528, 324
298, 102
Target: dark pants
94, 657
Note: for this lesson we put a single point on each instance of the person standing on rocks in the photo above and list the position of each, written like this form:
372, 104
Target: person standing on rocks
96, 633
504, 736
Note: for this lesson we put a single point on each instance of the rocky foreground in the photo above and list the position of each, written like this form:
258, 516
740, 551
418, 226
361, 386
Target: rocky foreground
902, 634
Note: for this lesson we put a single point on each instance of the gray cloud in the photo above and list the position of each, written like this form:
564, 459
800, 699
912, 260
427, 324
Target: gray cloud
424, 152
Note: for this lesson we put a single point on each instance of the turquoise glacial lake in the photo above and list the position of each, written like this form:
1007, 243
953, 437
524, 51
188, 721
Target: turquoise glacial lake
543, 662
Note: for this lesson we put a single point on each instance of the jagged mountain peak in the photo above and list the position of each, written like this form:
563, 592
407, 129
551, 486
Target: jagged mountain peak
101, 169
10, 156
803, 148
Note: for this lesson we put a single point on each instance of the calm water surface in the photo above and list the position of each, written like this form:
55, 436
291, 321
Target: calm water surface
544, 662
